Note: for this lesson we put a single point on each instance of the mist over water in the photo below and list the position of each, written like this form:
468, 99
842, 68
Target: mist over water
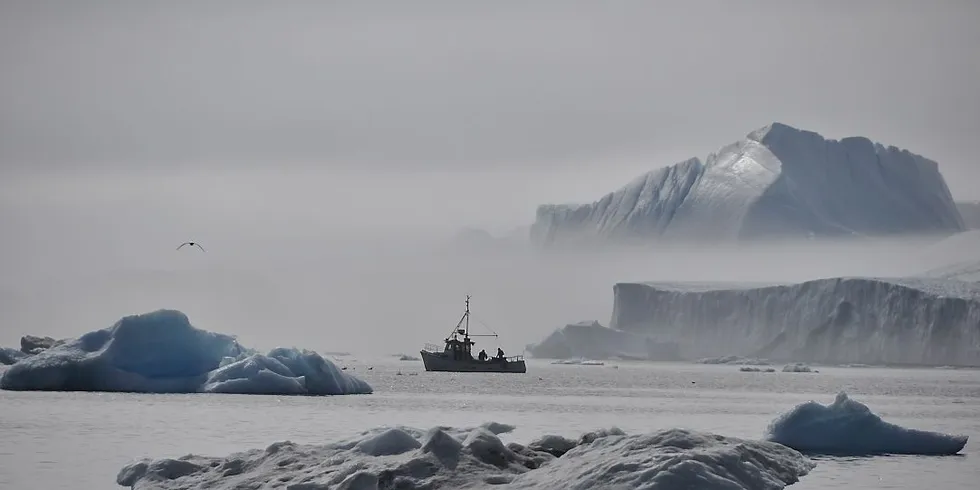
340, 269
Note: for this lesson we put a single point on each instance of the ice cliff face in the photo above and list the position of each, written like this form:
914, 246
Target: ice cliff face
778, 181
841, 320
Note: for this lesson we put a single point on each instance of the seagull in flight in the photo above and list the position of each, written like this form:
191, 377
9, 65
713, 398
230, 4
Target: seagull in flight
191, 244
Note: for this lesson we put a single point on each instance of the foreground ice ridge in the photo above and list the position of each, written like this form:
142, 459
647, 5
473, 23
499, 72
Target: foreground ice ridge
443, 457
847, 427
161, 352
778, 181
833, 321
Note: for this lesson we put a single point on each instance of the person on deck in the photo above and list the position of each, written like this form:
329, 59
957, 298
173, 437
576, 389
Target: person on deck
483, 355
500, 353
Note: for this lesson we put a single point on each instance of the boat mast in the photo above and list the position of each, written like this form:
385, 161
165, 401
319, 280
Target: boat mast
467, 316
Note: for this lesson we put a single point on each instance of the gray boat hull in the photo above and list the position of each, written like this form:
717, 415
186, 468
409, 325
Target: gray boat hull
438, 361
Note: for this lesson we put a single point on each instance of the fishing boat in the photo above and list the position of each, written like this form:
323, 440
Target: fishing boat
457, 355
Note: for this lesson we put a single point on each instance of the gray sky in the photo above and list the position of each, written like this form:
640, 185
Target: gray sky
458, 86
126, 126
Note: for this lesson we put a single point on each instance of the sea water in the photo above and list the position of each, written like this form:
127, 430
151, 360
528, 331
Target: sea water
81, 440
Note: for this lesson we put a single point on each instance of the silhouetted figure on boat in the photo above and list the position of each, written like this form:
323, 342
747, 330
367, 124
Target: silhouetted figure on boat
500, 353
483, 355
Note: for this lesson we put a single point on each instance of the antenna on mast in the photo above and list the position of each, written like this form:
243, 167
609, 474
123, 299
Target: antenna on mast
467, 316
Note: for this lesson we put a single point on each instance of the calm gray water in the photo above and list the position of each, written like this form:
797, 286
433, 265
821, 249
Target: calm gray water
81, 440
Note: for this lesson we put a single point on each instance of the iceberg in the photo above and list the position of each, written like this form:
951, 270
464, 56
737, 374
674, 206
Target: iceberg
161, 352
471, 458
909, 321
955, 258
778, 181
849, 428
970, 211
591, 340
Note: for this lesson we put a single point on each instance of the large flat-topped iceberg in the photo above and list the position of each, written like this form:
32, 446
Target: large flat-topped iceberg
777, 182
161, 352
840, 320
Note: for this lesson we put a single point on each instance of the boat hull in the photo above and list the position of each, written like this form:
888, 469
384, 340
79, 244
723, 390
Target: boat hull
443, 363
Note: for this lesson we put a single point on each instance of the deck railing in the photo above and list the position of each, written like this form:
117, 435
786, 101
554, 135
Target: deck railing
432, 348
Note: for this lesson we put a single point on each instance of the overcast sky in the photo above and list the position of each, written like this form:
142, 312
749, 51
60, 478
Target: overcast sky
459, 86
124, 124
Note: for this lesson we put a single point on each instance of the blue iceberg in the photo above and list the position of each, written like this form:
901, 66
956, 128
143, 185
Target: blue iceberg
161, 352
850, 428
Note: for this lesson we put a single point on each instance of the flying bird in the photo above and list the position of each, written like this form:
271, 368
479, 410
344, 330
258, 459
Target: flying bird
191, 244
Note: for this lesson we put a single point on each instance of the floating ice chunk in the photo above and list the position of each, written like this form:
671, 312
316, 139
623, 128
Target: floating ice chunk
797, 368
161, 352
579, 362
445, 457
752, 369
735, 360
848, 427
286, 372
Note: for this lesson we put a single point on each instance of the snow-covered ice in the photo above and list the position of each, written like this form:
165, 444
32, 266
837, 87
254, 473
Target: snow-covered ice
777, 181
828, 321
443, 457
848, 427
161, 352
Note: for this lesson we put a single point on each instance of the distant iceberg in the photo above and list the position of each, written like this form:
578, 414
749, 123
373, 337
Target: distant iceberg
447, 458
970, 211
778, 181
161, 352
955, 258
591, 340
847, 427
920, 321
